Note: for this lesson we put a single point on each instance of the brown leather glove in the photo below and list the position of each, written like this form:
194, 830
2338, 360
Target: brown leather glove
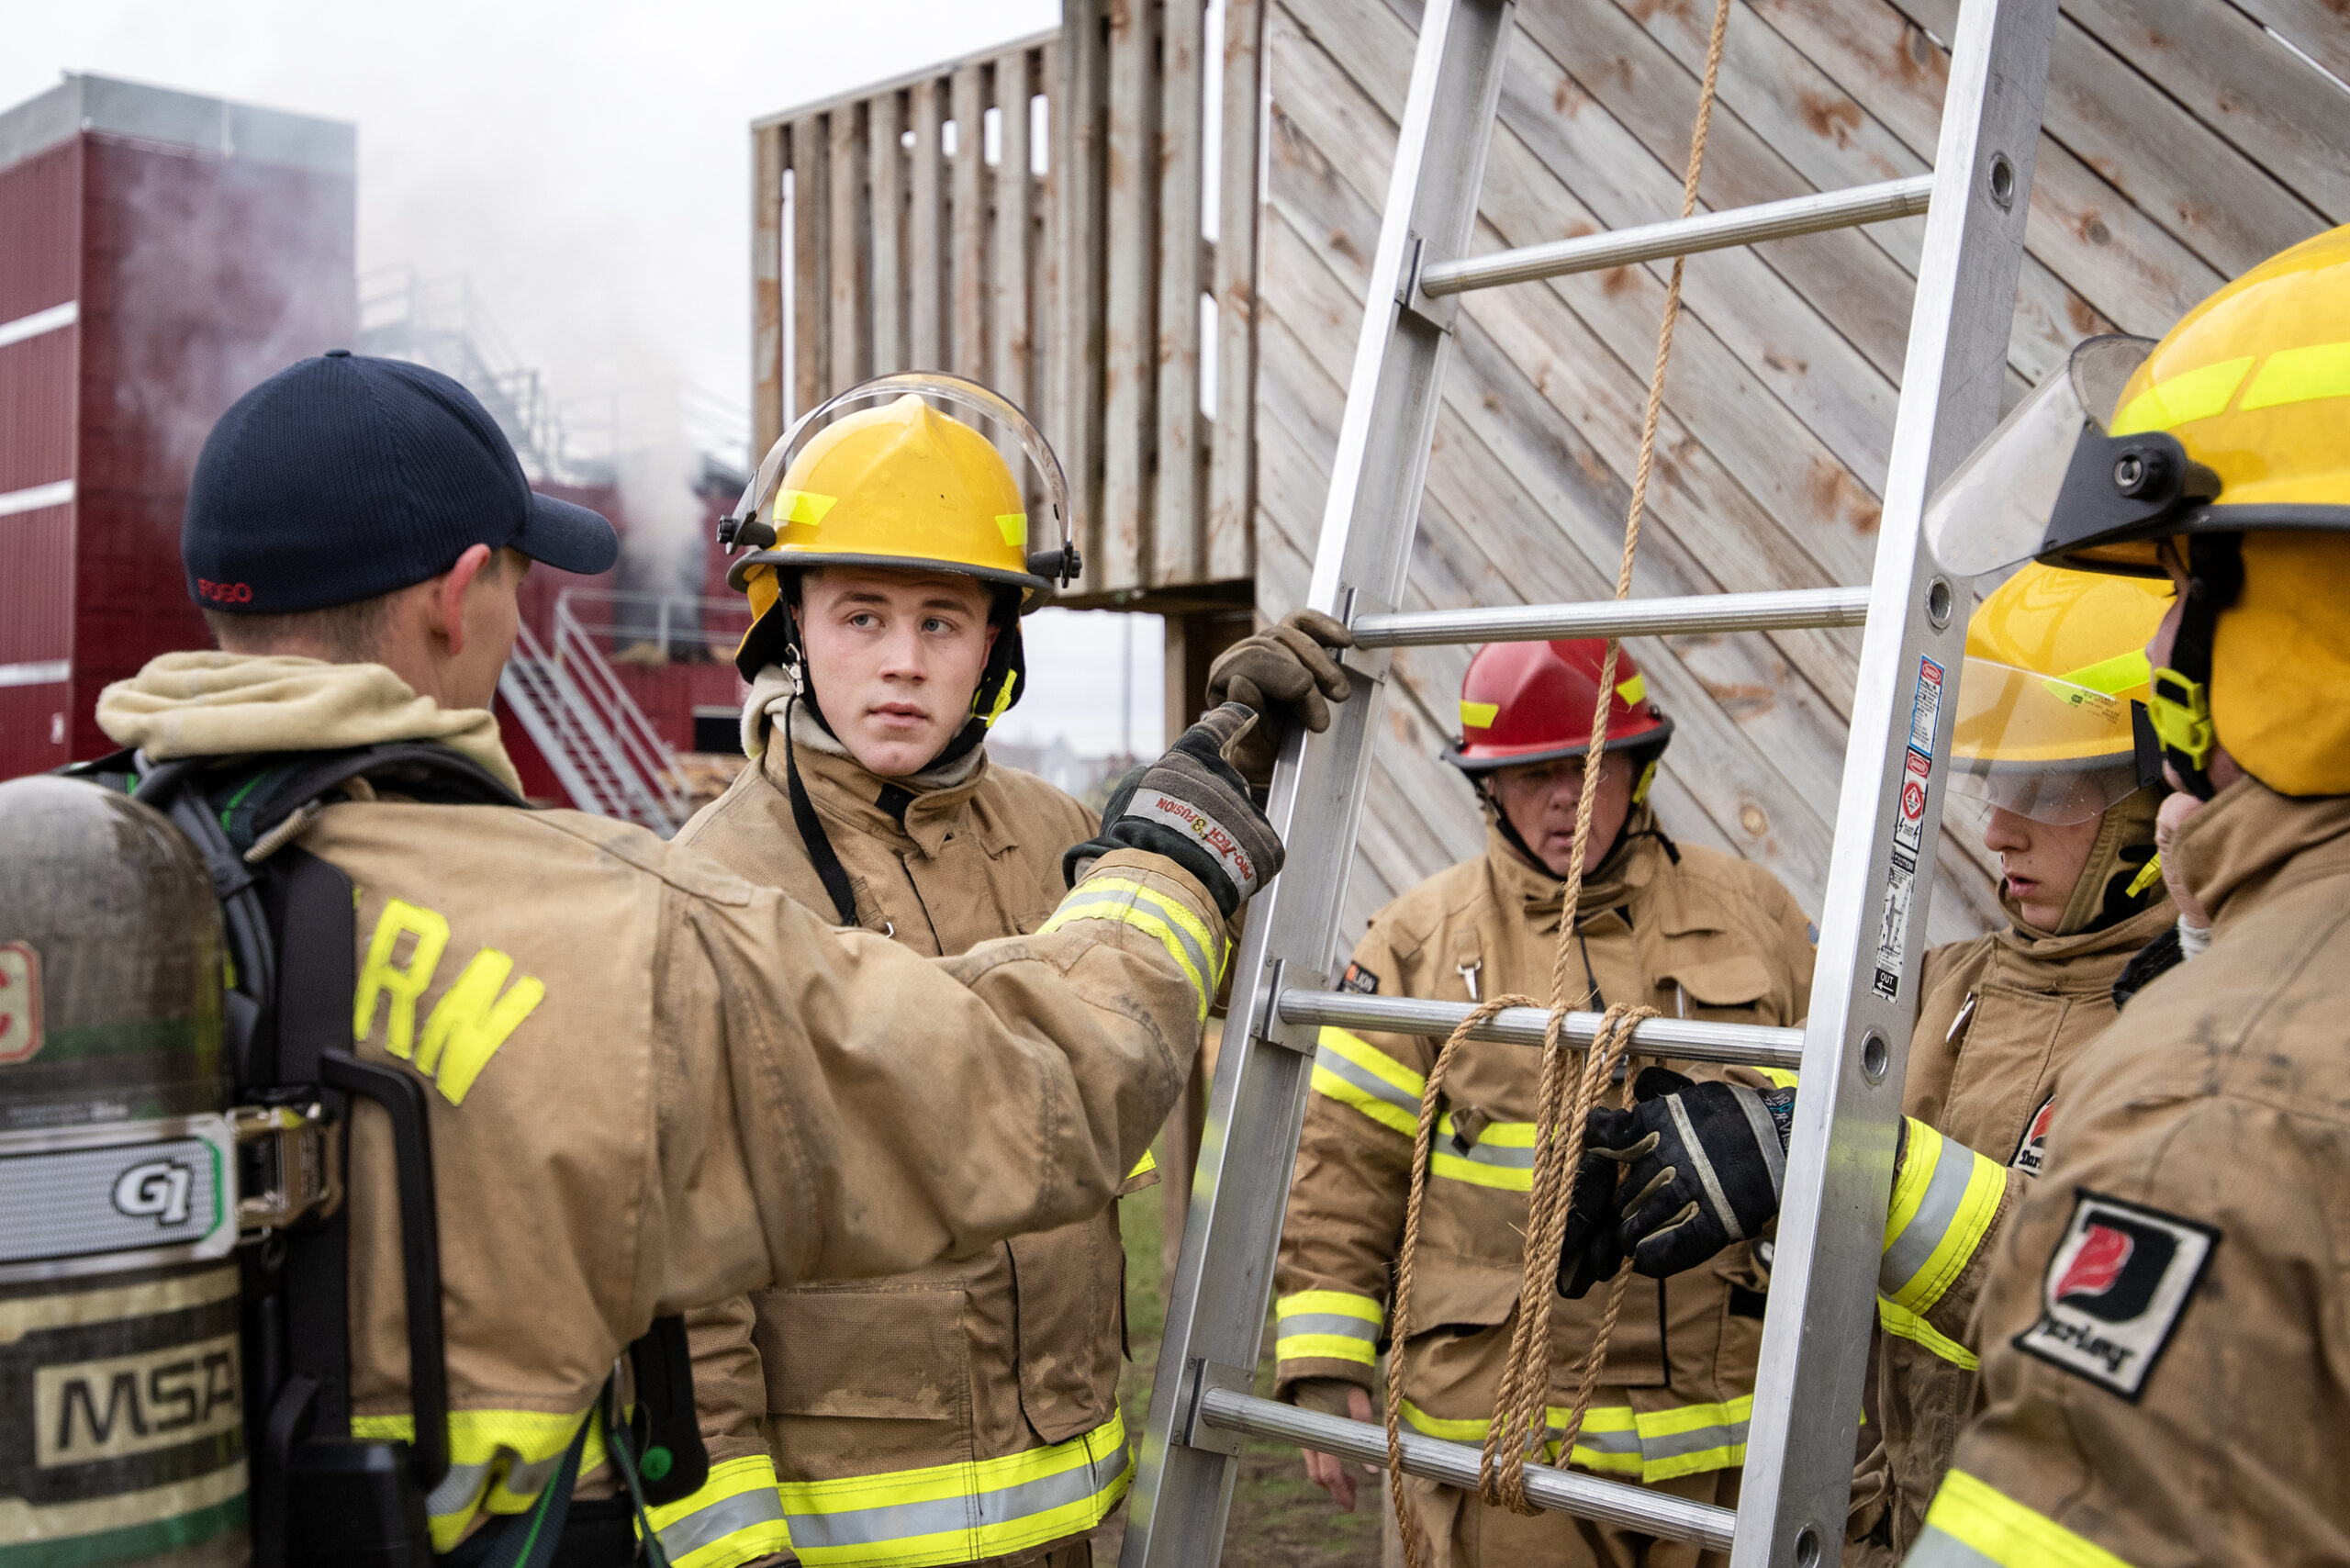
1285, 674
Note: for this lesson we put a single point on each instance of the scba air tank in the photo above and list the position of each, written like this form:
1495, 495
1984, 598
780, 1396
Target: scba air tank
122, 1433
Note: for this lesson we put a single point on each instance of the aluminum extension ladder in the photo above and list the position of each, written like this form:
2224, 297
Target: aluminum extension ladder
1852, 1050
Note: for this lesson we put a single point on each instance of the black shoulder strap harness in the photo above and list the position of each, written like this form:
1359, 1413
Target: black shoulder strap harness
318, 1495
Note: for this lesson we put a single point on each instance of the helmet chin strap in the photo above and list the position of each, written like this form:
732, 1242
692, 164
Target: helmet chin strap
2181, 702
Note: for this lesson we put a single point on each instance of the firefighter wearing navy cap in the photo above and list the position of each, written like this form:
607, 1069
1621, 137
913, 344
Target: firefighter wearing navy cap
638, 1082
1690, 931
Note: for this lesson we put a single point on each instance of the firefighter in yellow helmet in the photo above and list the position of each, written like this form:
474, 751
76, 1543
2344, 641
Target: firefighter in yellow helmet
2052, 741
2164, 1332
967, 1412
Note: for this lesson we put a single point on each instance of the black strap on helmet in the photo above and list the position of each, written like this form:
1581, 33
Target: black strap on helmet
2180, 711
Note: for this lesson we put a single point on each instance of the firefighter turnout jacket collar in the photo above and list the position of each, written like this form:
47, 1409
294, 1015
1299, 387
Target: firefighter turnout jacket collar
654, 1086
1690, 931
967, 1410
1999, 1020
2163, 1330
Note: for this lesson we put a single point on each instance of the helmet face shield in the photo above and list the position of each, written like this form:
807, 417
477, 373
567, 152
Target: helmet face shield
2041, 747
1994, 511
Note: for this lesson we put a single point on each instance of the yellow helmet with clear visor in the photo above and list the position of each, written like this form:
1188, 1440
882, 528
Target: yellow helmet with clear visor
2050, 723
2230, 439
901, 485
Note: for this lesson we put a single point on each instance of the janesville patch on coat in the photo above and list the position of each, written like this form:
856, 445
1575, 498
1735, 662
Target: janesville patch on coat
2116, 1287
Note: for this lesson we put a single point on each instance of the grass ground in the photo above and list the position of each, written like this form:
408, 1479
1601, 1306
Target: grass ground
1278, 1518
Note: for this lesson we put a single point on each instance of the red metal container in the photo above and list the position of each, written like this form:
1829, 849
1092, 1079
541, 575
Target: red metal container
160, 253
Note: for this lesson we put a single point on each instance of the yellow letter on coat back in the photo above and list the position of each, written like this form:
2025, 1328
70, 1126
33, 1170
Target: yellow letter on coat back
402, 983
471, 1021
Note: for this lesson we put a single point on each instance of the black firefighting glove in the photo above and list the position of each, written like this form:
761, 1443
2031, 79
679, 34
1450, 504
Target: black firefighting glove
1284, 674
1593, 1250
1705, 1164
1192, 808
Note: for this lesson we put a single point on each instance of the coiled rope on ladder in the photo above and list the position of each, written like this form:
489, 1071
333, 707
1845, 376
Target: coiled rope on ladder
1520, 1410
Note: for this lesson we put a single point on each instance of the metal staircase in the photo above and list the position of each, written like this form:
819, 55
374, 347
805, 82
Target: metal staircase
604, 751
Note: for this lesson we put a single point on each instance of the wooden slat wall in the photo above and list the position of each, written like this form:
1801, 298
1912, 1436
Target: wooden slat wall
2183, 141
1076, 292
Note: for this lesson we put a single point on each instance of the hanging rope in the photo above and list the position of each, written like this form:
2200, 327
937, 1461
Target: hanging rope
1520, 1410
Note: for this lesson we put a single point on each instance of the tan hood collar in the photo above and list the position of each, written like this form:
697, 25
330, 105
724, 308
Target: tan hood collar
2250, 841
2122, 936
1629, 868
216, 704
845, 790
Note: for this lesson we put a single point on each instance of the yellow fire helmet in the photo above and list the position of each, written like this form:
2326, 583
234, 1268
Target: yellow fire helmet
2051, 702
2230, 437
897, 486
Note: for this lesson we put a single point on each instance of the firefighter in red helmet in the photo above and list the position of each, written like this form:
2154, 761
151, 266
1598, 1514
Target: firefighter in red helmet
1690, 931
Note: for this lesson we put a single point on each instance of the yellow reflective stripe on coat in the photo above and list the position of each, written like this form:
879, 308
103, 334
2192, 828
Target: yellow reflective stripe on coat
735, 1517
1351, 1070
1616, 1439
1197, 951
1904, 1324
1974, 1525
1943, 1201
499, 1461
1334, 1326
1502, 1156
959, 1513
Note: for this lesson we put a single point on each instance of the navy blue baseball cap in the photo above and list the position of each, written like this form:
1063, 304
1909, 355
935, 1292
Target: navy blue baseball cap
342, 478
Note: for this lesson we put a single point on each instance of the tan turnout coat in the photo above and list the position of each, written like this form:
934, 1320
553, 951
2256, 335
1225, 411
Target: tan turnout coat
1013, 1349
1999, 1018
688, 1086
1703, 936
2164, 1330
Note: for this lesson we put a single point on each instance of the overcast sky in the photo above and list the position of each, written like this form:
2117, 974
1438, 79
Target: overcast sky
586, 163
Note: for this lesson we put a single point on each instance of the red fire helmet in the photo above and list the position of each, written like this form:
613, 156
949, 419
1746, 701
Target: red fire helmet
1532, 702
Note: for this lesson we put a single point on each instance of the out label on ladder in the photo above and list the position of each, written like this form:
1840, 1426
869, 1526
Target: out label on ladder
1909, 830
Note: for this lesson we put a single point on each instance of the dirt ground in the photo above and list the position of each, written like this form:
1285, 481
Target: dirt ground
1278, 1518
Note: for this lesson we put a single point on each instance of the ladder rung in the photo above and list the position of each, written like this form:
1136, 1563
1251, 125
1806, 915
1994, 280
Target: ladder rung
1455, 1464
1685, 236
1693, 1039
1784, 611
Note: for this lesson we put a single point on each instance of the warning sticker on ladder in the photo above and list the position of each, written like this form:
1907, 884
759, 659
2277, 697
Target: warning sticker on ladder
1909, 830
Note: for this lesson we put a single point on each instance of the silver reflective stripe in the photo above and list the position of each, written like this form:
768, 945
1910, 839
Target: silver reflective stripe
1945, 1191
1714, 1194
1604, 1442
1097, 903
976, 1511
1370, 1083
1938, 1548
1673, 1445
1766, 1136
464, 1483
705, 1526
1488, 1149
1292, 1323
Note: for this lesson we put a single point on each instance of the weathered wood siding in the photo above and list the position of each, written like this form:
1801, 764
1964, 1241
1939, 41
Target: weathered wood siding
1059, 256
2183, 141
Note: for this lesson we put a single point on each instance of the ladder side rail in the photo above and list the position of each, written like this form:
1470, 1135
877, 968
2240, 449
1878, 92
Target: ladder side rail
1824, 1277
1223, 1279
